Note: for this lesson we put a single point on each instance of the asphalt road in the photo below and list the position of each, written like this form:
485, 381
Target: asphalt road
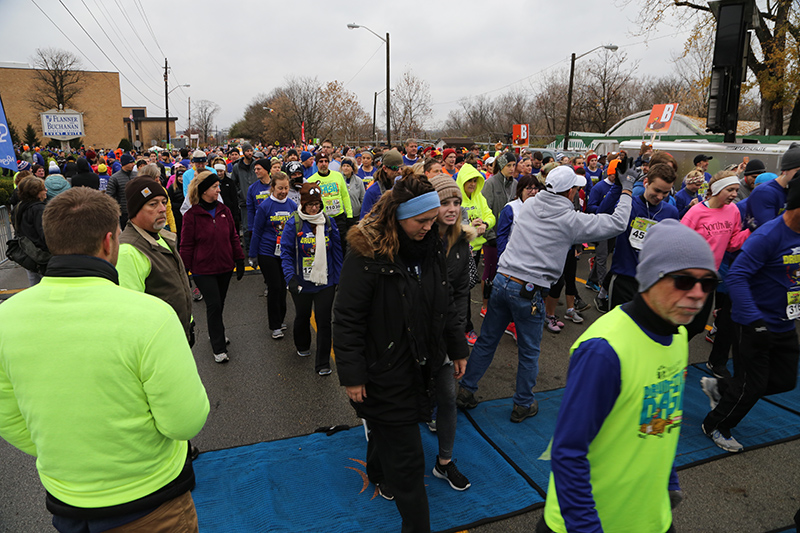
267, 392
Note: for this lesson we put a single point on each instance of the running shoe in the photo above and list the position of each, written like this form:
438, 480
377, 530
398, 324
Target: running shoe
519, 413
601, 304
450, 472
572, 314
710, 388
592, 286
723, 439
324, 371
552, 324
511, 329
432, 426
196, 295
384, 491
465, 399
580, 305
277, 333
472, 337
710, 335
303, 353
221, 357
719, 371
284, 326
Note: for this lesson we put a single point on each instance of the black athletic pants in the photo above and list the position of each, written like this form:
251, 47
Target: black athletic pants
395, 457
761, 367
322, 303
214, 288
276, 289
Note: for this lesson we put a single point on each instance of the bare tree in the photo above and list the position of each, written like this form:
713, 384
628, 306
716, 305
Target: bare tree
251, 125
411, 105
603, 92
204, 118
345, 118
306, 105
773, 56
59, 78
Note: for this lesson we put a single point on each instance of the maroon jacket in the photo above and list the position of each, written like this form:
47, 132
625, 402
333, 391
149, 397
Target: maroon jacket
209, 245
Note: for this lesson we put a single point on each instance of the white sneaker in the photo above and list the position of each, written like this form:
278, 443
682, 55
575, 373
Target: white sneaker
277, 333
572, 314
221, 357
729, 444
710, 388
284, 325
304, 354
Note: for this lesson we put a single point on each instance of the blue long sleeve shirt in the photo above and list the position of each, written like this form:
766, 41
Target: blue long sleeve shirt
256, 193
767, 266
271, 216
599, 191
626, 254
683, 199
297, 253
371, 197
505, 223
593, 386
766, 202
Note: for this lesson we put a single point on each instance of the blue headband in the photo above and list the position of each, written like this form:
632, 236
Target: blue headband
418, 205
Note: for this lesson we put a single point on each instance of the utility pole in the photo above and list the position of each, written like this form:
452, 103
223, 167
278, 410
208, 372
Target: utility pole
166, 99
189, 120
388, 96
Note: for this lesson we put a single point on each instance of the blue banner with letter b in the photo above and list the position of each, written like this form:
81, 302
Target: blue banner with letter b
7, 157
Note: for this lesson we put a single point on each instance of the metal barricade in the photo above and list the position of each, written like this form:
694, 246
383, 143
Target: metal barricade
6, 232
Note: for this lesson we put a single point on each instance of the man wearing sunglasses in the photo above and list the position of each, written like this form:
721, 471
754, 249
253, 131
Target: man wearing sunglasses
614, 444
764, 286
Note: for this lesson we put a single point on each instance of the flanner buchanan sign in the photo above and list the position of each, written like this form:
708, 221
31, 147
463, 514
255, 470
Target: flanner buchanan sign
63, 125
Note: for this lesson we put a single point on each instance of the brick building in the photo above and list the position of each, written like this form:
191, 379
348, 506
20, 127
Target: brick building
106, 121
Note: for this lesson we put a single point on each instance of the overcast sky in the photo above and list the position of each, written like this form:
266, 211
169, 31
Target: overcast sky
231, 51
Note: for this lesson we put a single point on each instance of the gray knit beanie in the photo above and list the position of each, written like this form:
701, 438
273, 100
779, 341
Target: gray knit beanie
791, 158
668, 247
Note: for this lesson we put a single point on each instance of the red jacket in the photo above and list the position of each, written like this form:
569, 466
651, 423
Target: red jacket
209, 245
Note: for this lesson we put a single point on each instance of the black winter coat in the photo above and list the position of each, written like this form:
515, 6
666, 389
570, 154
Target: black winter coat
458, 259
381, 339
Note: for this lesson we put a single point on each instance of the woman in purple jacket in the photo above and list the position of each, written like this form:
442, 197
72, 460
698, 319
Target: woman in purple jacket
210, 250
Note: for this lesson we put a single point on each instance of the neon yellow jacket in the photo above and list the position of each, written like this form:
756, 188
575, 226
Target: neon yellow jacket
476, 205
99, 384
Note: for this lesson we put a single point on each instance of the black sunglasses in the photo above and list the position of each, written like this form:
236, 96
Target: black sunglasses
685, 282
393, 167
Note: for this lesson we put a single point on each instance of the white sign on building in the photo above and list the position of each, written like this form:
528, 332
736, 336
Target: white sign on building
62, 125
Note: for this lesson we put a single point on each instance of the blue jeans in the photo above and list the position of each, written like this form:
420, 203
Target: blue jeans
506, 305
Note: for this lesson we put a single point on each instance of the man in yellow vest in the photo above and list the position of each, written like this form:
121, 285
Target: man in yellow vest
613, 449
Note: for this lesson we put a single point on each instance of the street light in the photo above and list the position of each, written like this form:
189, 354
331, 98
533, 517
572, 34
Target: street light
611, 47
353, 26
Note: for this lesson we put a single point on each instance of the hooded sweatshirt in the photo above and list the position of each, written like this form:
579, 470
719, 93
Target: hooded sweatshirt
544, 230
85, 177
476, 205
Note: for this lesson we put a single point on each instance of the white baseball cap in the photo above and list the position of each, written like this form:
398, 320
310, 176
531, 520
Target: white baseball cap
562, 179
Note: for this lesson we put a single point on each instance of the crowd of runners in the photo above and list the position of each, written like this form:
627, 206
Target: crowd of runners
386, 246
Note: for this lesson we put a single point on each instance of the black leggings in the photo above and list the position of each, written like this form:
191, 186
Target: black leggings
214, 288
469, 326
276, 289
567, 277
322, 302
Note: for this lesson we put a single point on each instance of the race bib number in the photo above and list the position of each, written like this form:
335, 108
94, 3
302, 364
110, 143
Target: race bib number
308, 264
639, 228
793, 304
333, 206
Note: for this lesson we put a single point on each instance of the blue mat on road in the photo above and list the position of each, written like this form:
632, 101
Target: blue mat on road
523, 443
316, 482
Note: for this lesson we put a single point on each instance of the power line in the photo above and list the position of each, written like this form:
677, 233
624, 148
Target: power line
546, 69
138, 4
364, 65
106, 55
99, 70
130, 24
105, 13
114, 45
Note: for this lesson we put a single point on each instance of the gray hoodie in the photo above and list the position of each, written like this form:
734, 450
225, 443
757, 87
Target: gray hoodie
545, 229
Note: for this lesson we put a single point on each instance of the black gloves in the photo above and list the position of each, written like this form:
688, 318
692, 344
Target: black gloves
239, 269
294, 286
191, 334
626, 175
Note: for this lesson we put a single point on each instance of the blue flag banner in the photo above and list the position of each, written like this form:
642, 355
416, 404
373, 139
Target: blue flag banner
7, 157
